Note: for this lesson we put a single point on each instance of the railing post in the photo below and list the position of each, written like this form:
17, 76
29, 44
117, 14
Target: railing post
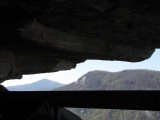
56, 113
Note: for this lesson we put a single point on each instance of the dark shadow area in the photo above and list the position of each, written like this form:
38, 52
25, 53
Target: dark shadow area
24, 104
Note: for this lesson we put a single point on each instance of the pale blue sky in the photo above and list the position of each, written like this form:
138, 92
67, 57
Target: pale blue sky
153, 63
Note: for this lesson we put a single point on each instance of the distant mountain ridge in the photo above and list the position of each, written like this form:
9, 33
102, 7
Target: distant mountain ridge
41, 85
123, 80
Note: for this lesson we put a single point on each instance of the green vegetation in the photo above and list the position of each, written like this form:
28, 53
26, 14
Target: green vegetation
102, 114
124, 80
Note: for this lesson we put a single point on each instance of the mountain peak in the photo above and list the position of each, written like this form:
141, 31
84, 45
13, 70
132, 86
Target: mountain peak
41, 85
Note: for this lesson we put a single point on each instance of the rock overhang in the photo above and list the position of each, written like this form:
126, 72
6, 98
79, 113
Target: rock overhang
48, 36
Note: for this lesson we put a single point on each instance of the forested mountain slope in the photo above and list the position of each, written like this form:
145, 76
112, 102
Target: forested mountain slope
123, 80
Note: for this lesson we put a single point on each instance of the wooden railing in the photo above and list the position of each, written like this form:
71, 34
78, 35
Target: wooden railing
128, 100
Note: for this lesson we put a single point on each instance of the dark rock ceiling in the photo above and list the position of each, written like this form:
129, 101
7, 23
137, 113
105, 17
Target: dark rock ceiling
39, 36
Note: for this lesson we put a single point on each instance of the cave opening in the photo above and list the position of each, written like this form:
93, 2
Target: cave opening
73, 75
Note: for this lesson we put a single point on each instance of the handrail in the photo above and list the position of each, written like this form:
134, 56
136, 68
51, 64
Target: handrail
129, 100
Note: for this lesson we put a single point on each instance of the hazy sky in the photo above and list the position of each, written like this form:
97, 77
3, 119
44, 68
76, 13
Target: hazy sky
153, 63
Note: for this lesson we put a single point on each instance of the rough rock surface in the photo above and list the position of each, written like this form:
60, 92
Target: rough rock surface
47, 36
